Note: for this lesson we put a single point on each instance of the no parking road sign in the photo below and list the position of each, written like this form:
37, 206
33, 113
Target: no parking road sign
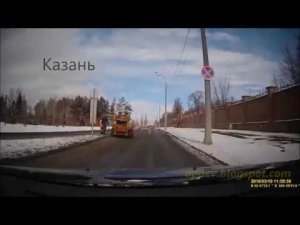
207, 72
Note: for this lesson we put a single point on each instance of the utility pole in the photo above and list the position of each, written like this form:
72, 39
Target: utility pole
207, 133
93, 109
165, 104
158, 116
160, 75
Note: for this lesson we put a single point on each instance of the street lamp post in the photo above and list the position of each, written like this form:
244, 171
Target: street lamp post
158, 116
160, 75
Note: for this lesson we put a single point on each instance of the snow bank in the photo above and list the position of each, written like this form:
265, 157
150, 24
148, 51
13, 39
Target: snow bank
16, 128
258, 147
26, 147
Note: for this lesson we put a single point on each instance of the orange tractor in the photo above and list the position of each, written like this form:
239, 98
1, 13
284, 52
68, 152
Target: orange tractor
122, 125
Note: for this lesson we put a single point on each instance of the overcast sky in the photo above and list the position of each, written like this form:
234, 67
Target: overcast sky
125, 61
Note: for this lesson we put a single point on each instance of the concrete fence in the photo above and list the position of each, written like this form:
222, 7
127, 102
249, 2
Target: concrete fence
275, 111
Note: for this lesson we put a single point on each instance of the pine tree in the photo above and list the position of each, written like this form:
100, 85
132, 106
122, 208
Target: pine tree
112, 107
50, 108
5, 111
24, 110
102, 107
123, 106
40, 111
77, 109
12, 112
3, 108
18, 107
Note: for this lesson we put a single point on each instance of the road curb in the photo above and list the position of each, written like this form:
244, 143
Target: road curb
214, 159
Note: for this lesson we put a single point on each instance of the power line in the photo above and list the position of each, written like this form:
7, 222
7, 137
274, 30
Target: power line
182, 64
179, 60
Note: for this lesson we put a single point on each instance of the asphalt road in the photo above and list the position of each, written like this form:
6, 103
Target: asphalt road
149, 149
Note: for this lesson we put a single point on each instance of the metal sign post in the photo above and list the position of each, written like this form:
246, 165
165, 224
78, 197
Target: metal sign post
93, 110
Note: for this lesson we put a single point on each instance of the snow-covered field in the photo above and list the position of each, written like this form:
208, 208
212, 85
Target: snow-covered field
26, 147
247, 147
16, 128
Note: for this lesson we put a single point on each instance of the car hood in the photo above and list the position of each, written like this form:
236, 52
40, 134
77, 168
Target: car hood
131, 177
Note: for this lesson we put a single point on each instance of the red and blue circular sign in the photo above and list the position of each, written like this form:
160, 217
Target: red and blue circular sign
207, 72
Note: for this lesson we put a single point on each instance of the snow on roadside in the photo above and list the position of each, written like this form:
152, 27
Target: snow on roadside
260, 148
25, 147
20, 128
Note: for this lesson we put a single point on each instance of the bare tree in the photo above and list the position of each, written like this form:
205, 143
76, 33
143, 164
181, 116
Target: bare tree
221, 88
195, 100
289, 67
177, 107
